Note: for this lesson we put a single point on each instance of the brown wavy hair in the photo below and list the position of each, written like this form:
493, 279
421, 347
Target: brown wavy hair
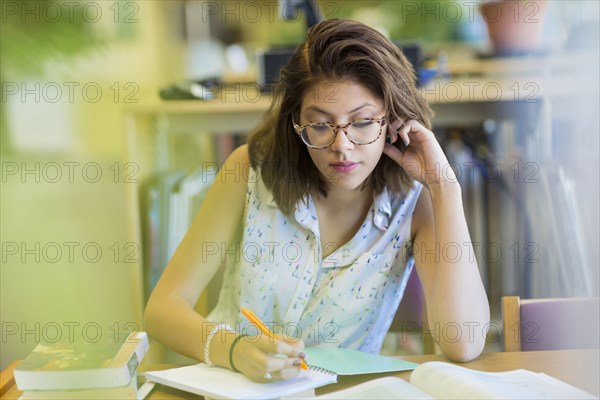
337, 49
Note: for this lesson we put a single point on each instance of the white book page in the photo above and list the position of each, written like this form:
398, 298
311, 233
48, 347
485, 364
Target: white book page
563, 387
381, 388
221, 383
447, 381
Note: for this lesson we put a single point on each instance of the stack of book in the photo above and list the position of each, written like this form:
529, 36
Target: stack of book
83, 369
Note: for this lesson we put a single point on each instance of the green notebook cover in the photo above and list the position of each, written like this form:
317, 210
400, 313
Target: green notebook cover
352, 362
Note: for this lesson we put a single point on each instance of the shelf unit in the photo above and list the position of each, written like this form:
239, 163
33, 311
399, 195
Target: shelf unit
469, 100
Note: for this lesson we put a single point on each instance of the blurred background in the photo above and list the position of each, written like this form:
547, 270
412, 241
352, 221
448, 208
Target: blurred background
96, 169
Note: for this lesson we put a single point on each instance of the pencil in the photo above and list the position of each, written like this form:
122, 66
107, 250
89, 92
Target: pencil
265, 330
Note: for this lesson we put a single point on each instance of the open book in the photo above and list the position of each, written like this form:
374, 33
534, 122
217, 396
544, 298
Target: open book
440, 380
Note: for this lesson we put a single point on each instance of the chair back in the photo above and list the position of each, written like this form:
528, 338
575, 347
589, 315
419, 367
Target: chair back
550, 324
411, 316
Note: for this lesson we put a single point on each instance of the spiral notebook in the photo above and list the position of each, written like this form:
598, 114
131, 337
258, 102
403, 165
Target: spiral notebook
223, 383
352, 362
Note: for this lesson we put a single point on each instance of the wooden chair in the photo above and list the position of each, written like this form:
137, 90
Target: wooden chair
550, 324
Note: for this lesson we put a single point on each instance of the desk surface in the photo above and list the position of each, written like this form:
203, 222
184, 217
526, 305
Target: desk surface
580, 368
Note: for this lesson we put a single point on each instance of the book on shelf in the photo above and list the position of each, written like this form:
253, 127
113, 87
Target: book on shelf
437, 380
171, 201
468, 170
184, 203
150, 227
167, 185
156, 193
569, 230
82, 364
559, 240
225, 144
558, 262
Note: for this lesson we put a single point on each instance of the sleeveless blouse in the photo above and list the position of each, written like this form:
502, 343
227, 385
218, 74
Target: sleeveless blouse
347, 299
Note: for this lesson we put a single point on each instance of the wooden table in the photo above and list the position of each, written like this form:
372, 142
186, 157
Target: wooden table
579, 368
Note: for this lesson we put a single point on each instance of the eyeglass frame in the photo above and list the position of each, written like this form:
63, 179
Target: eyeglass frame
299, 128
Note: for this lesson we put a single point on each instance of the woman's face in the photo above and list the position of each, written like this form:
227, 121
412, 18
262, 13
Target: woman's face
345, 165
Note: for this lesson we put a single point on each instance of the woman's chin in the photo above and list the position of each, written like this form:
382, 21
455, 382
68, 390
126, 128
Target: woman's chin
345, 184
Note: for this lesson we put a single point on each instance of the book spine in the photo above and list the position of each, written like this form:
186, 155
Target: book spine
143, 346
119, 372
134, 347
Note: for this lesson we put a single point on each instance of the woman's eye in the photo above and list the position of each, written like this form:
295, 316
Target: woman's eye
362, 124
320, 128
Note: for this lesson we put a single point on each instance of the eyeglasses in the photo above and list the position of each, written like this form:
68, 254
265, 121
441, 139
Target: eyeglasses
321, 134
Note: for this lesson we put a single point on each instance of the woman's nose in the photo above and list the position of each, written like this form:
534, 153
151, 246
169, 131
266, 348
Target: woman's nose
341, 142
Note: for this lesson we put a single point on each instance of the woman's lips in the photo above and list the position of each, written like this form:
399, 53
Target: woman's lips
346, 166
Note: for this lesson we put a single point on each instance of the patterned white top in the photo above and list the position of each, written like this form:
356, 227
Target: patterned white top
348, 299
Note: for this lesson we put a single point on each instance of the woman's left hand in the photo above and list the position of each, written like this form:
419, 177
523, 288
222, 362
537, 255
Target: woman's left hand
423, 158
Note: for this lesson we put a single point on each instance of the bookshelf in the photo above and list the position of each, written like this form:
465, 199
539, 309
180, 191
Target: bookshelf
516, 94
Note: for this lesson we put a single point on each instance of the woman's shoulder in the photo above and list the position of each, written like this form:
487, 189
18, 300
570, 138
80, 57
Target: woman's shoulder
239, 156
239, 165
236, 168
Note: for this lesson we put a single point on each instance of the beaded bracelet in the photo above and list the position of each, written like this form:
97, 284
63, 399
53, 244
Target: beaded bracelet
237, 339
209, 340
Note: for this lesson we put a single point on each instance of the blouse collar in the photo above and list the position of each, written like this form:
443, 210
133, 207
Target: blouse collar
306, 214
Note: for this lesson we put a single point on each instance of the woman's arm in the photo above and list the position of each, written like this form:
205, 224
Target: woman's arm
170, 316
457, 305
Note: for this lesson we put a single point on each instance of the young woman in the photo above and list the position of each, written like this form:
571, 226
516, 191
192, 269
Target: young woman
320, 219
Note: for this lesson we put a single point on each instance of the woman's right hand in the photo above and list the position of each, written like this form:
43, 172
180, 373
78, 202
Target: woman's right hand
265, 359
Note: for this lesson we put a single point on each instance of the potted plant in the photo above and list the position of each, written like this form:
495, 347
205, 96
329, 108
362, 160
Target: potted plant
34, 33
514, 26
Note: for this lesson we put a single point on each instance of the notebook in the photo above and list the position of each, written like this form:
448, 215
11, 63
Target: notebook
225, 384
352, 362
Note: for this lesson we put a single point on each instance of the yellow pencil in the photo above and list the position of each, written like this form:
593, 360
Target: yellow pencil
264, 329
